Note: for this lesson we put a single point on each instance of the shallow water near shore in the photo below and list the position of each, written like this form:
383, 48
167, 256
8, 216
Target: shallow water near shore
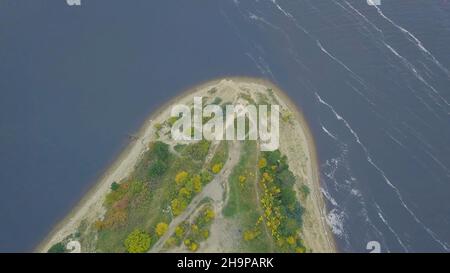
77, 81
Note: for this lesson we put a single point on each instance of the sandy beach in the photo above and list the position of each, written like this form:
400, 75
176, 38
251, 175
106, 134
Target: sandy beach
316, 231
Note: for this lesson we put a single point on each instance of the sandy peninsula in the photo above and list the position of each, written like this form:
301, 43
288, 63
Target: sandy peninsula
298, 147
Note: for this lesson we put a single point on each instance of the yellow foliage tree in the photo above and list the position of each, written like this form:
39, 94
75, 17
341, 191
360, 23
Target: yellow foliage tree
161, 229
177, 206
300, 249
181, 178
137, 241
216, 168
290, 240
179, 231
205, 233
209, 214
185, 192
267, 177
250, 235
193, 247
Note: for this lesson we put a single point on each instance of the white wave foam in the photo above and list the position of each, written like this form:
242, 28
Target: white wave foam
383, 175
335, 220
328, 197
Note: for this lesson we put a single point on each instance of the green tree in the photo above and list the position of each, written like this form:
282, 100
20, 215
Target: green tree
161, 150
273, 157
158, 168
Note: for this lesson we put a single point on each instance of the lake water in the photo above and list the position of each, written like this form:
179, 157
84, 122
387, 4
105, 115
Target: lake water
373, 83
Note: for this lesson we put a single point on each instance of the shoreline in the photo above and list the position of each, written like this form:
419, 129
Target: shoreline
96, 193
99, 183
312, 151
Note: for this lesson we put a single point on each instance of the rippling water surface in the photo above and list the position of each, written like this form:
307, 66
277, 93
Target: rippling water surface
373, 82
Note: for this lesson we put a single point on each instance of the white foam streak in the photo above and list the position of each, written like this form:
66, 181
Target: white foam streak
362, 16
329, 133
416, 73
289, 15
380, 215
414, 39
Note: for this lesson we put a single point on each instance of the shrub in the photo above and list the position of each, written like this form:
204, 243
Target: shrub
179, 231
161, 150
209, 214
57, 248
158, 126
250, 235
161, 229
216, 168
115, 186
206, 177
262, 163
181, 178
158, 168
197, 151
178, 206
137, 241
197, 183
305, 190
193, 247
273, 157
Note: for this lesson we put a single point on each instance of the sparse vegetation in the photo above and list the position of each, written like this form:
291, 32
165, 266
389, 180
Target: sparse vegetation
261, 196
147, 198
197, 151
137, 241
282, 211
242, 205
220, 155
192, 234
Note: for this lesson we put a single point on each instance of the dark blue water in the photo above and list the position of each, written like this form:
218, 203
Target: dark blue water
373, 84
